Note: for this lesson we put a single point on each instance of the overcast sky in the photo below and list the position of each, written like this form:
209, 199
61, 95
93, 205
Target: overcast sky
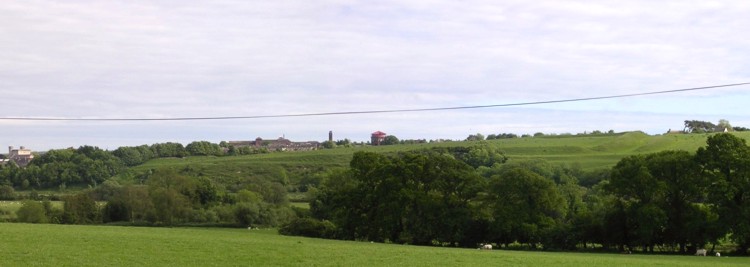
166, 59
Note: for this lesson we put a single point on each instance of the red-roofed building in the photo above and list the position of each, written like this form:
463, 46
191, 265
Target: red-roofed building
377, 138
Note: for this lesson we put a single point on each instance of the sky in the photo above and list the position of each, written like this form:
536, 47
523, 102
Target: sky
160, 59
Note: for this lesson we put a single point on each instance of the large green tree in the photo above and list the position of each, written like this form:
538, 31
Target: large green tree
726, 161
524, 206
80, 209
684, 187
412, 197
659, 196
170, 195
637, 215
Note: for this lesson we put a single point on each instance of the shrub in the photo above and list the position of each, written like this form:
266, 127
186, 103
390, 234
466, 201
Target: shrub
7, 193
116, 211
31, 212
80, 209
309, 227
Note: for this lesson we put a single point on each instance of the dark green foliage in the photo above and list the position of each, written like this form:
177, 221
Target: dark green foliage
171, 196
501, 136
726, 162
130, 156
671, 200
54, 215
116, 210
31, 212
7, 192
206, 191
328, 144
390, 140
656, 198
309, 227
524, 207
414, 198
204, 148
476, 156
80, 209
136, 201
169, 150
83, 166
591, 178
475, 137
696, 126
170, 207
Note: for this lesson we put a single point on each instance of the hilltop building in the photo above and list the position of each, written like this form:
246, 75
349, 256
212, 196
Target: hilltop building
280, 144
377, 138
21, 156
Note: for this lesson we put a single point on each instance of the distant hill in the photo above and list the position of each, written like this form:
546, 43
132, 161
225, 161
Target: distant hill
589, 152
602, 151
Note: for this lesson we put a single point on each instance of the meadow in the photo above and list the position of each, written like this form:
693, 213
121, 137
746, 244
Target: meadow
77, 245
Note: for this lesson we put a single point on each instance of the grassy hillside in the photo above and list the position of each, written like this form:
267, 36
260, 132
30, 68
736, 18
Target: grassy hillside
76, 245
588, 152
592, 152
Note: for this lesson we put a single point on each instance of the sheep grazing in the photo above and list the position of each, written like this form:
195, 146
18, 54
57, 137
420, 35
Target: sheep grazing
718, 254
485, 247
700, 252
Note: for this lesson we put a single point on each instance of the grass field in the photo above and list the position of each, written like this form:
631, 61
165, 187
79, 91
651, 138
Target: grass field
76, 245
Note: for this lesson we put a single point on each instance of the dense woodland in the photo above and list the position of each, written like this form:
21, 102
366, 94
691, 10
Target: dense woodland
666, 201
444, 196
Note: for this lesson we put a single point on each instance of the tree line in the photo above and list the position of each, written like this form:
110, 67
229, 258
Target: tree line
90, 166
671, 201
167, 198
698, 126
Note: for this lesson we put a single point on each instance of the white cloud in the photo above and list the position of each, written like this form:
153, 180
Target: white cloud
94, 59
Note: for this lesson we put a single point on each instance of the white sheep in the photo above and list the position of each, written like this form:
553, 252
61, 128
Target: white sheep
700, 252
718, 254
485, 247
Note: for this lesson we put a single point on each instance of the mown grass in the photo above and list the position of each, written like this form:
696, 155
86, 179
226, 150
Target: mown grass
76, 245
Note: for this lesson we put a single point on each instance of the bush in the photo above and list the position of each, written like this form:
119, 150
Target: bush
309, 227
116, 211
31, 212
7, 193
54, 215
80, 209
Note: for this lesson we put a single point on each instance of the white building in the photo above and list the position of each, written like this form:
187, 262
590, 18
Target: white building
21, 156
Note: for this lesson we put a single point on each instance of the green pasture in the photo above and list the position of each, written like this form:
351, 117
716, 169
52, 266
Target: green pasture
77, 245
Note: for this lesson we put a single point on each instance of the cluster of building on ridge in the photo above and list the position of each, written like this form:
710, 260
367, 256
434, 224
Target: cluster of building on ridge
21, 156
283, 144
280, 144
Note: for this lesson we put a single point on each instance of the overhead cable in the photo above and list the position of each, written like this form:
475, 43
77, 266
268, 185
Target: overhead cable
374, 111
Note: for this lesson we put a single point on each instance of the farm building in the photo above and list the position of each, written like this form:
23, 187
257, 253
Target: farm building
377, 138
280, 144
21, 156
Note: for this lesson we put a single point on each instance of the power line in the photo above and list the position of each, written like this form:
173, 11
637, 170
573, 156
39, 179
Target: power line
375, 111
